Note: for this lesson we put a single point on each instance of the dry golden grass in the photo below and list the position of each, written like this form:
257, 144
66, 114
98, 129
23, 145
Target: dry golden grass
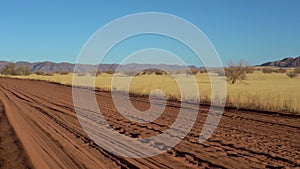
275, 91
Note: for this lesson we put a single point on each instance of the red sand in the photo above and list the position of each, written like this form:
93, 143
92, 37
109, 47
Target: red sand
47, 134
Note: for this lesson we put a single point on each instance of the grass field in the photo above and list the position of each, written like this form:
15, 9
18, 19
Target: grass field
275, 91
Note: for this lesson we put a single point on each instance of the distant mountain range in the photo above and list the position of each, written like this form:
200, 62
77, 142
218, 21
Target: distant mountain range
286, 62
58, 67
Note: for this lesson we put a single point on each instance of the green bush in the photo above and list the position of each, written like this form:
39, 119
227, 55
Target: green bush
11, 69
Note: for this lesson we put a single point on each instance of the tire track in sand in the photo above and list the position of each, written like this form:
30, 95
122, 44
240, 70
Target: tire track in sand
12, 154
242, 140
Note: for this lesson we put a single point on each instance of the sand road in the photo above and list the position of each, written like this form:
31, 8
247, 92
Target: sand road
39, 125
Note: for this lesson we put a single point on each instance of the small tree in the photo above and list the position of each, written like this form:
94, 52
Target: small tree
236, 72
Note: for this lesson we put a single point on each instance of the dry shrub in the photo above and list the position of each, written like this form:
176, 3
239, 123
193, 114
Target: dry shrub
131, 73
273, 70
236, 72
293, 74
64, 73
94, 73
281, 70
221, 72
39, 73
268, 70
250, 69
110, 72
194, 71
203, 71
153, 71
297, 70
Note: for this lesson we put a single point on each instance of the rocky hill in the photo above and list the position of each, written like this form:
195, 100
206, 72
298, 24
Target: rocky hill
286, 62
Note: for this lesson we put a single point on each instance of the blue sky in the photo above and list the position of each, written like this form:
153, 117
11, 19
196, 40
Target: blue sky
255, 31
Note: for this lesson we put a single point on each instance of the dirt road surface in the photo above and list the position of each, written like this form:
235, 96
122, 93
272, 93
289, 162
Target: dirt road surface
40, 127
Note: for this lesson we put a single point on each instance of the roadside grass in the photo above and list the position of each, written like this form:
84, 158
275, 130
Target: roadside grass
272, 92
275, 92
